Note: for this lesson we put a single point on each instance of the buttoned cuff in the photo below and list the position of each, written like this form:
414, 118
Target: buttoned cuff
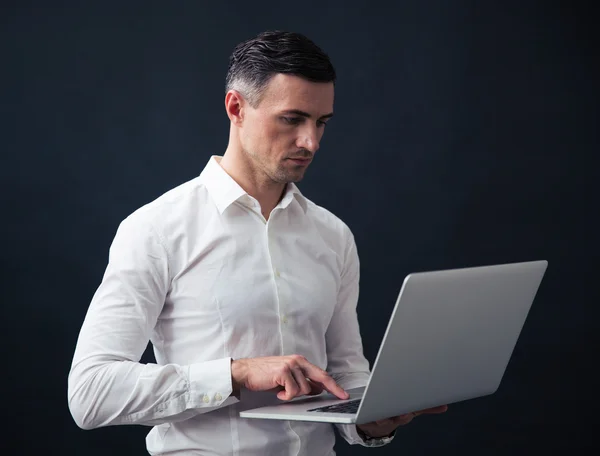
210, 384
353, 437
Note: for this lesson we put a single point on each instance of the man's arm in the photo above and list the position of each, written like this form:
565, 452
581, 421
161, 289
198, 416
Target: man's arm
347, 364
345, 359
107, 385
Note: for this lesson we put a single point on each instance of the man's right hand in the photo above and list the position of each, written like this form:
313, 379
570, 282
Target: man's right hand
292, 375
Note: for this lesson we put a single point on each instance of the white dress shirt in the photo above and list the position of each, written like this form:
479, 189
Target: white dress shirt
201, 274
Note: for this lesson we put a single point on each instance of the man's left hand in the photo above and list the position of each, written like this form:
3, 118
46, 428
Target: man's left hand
383, 428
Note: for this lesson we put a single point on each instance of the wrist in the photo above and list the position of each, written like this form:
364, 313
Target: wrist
366, 436
238, 375
363, 435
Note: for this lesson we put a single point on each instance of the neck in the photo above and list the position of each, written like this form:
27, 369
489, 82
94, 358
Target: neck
254, 182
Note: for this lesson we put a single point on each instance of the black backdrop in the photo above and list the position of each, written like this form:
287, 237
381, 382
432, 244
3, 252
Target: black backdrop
462, 136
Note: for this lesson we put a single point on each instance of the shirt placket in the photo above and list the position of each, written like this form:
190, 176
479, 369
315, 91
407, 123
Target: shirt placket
278, 277
278, 273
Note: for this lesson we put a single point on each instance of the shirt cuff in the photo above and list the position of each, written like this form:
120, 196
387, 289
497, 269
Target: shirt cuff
210, 384
350, 433
374, 441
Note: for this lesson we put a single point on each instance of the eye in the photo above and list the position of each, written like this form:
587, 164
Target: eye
291, 120
320, 123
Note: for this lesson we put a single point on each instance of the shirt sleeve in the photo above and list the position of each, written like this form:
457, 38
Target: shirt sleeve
346, 362
107, 385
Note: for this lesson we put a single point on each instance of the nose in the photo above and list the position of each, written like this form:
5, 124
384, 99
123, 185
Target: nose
309, 139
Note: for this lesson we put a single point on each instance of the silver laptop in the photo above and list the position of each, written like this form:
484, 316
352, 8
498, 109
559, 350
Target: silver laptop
449, 339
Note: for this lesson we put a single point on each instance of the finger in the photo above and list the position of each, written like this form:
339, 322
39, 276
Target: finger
321, 377
301, 381
384, 422
330, 385
401, 420
290, 385
277, 389
434, 410
315, 388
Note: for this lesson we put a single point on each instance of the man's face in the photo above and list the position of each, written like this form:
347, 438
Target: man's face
282, 134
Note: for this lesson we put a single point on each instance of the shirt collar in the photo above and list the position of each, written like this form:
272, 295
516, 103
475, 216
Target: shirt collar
292, 191
225, 191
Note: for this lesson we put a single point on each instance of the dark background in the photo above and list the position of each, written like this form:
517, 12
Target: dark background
463, 136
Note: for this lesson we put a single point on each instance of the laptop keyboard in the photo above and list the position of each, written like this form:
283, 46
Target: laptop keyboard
346, 407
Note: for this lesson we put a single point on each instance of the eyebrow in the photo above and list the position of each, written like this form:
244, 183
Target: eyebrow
305, 114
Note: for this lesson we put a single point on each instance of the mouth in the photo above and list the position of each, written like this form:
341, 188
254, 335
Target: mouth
300, 161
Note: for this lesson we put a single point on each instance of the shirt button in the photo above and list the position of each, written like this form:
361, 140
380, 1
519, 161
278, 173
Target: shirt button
277, 274
206, 399
284, 320
218, 397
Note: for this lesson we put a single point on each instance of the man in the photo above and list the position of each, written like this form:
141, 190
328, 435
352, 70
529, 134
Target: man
246, 289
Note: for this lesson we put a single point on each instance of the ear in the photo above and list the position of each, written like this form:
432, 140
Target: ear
234, 106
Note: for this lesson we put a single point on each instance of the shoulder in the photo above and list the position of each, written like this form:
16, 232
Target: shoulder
165, 213
331, 227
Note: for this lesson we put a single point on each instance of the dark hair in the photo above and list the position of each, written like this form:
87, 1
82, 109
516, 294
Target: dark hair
255, 61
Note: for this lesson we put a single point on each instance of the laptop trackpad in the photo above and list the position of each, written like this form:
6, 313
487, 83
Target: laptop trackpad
324, 399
